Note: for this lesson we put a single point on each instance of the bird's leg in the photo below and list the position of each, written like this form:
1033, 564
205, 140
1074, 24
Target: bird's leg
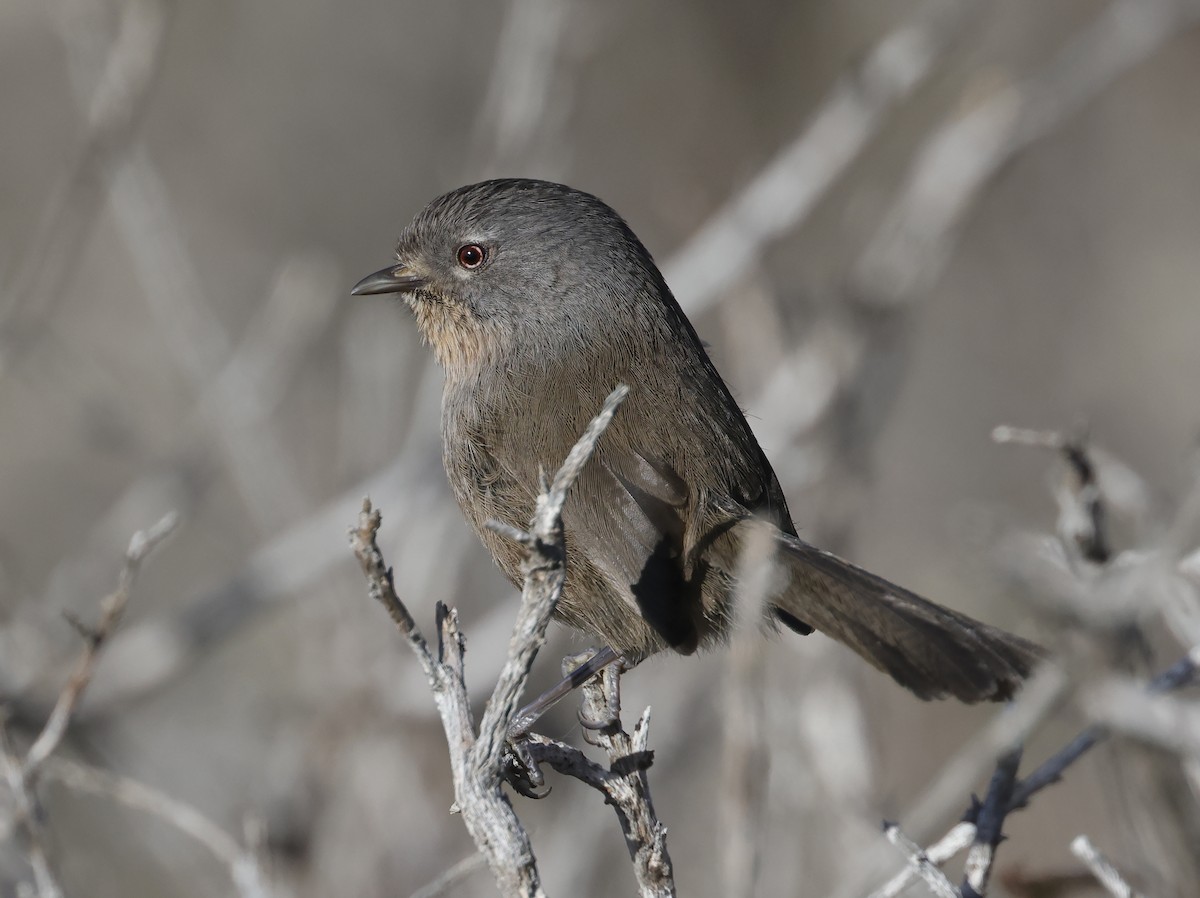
529, 715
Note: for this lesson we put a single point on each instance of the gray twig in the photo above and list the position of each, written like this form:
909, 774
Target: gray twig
746, 761
790, 185
1106, 874
623, 783
917, 234
243, 865
21, 774
450, 877
959, 837
112, 608
920, 863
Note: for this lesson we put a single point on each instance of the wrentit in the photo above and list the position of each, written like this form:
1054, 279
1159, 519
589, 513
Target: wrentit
538, 299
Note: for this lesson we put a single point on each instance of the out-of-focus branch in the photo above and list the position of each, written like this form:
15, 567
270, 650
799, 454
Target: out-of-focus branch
746, 763
917, 234
1171, 723
1119, 704
28, 818
958, 838
242, 863
989, 825
1182, 673
21, 774
786, 190
450, 877
920, 863
1042, 693
111, 610
113, 99
1106, 874
1082, 519
525, 89
476, 757
259, 462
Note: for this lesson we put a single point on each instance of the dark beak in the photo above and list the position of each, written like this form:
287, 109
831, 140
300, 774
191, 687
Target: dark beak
397, 279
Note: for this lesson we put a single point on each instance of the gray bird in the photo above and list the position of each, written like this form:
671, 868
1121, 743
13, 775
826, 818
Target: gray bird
538, 299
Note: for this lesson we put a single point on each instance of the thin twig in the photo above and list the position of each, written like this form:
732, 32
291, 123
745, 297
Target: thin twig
959, 837
746, 761
624, 783
1181, 673
787, 189
1106, 874
112, 609
382, 588
917, 234
21, 775
28, 818
112, 98
243, 866
920, 863
1083, 518
989, 825
450, 877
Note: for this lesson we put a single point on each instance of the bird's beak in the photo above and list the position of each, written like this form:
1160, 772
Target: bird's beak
397, 279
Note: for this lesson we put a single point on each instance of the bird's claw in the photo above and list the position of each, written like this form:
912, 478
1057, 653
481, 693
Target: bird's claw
594, 719
521, 771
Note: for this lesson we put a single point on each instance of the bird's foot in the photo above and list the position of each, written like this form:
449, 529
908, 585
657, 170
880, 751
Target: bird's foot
521, 771
603, 711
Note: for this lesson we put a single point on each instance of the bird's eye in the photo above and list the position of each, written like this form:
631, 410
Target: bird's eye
471, 255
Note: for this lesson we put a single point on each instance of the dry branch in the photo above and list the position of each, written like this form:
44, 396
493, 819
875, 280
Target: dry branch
479, 761
1106, 874
623, 783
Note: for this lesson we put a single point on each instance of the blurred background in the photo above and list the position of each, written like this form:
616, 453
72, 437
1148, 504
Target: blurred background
898, 225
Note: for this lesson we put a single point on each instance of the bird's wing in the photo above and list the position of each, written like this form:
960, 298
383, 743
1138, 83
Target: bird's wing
626, 515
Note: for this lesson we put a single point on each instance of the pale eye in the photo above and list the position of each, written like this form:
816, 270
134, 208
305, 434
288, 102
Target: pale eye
471, 256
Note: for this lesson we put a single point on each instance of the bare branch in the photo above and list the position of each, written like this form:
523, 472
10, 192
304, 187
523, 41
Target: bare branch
1082, 519
112, 99
916, 237
1106, 874
476, 759
746, 761
243, 865
920, 863
21, 775
623, 783
112, 609
628, 789
1179, 674
28, 817
989, 825
451, 877
782, 195
382, 588
958, 838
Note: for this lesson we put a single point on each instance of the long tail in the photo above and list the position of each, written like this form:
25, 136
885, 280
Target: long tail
928, 649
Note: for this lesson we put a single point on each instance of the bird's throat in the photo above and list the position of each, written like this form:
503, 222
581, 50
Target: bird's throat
458, 338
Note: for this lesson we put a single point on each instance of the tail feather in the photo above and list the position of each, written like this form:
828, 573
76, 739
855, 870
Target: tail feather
930, 650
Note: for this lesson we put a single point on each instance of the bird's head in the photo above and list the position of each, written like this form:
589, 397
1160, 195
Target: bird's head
513, 262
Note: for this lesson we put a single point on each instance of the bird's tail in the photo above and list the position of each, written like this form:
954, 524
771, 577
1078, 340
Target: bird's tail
928, 649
